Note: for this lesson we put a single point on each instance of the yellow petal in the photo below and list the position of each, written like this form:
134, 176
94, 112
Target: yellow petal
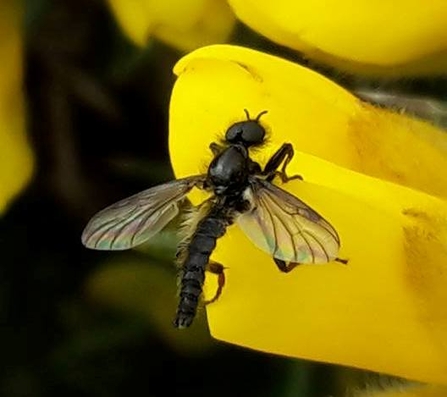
183, 24
403, 36
16, 160
371, 173
325, 120
407, 391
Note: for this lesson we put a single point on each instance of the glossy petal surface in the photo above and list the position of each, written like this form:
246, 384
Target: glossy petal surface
374, 175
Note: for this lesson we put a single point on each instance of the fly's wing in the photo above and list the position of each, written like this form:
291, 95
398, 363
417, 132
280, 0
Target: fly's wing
284, 226
134, 220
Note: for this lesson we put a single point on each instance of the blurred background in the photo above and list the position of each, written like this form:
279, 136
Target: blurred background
76, 322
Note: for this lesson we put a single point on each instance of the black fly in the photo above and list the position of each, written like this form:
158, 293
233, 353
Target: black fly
242, 192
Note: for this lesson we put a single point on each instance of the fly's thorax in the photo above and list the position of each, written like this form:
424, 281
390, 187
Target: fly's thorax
229, 171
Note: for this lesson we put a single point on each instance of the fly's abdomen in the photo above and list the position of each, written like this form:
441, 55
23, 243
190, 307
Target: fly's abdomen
198, 253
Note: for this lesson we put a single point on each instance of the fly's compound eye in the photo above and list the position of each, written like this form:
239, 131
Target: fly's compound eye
247, 133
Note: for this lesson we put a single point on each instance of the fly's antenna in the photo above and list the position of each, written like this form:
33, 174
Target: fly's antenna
261, 114
257, 117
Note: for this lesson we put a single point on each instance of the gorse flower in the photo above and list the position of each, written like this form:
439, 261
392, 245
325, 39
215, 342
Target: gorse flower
402, 37
185, 25
373, 174
15, 154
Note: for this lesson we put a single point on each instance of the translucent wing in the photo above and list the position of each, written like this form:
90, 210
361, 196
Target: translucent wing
134, 220
284, 226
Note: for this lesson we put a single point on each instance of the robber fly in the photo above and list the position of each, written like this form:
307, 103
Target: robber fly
242, 192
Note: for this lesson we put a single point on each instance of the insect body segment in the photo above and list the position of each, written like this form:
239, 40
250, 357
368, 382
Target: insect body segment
198, 252
228, 172
247, 133
241, 192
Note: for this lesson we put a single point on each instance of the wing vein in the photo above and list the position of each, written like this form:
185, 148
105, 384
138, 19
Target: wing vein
104, 233
286, 227
311, 251
319, 243
131, 221
275, 238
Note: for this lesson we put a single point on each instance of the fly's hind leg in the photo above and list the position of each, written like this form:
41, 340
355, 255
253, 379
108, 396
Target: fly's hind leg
285, 267
217, 269
288, 267
282, 156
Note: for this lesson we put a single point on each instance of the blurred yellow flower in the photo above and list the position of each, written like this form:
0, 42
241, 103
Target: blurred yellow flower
392, 37
185, 25
375, 175
15, 153
406, 391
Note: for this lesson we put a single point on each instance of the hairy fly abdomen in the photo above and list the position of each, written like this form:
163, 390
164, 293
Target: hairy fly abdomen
198, 252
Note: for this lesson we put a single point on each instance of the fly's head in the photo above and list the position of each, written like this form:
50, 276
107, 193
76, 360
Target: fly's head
246, 133
228, 172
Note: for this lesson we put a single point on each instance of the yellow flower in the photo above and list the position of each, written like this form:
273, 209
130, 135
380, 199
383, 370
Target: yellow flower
392, 37
406, 391
375, 175
185, 25
15, 153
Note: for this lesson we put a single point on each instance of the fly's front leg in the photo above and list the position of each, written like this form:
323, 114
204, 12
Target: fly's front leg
282, 156
217, 269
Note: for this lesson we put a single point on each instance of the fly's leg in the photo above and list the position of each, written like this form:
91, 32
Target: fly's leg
217, 269
285, 267
282, 156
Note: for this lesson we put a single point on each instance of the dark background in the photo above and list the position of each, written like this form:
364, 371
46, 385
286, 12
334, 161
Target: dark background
82, 323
